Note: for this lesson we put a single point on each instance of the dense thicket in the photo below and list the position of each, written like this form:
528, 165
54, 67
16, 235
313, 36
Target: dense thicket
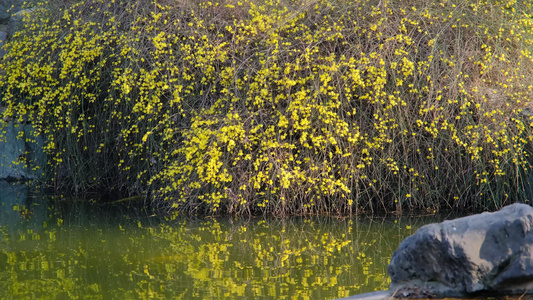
283, 107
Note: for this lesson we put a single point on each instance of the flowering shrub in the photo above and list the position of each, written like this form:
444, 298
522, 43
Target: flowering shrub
282, 107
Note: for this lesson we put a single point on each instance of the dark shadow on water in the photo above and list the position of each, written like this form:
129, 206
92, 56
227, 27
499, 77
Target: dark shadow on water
23, 208
18, 208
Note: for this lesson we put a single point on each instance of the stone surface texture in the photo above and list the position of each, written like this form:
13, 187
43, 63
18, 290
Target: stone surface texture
8, 7
17, 20
486, 253
16, 152
3, 36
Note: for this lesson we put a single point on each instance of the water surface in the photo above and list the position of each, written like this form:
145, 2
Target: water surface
68, 250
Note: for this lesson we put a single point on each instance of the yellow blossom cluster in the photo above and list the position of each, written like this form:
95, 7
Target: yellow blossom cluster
282, 107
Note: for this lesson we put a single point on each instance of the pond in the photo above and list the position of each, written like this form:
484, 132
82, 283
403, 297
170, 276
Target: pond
68, 249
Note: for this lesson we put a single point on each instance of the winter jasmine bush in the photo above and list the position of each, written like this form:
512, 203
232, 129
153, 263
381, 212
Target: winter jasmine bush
281, 107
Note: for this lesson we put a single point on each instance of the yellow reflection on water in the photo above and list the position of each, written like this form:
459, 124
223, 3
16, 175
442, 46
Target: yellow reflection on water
311, 258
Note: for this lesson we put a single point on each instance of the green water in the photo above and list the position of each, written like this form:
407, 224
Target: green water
55, 250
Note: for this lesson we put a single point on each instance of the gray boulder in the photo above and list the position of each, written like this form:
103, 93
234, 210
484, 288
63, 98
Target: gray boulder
20, 159
488, 253
7, 8
16, 21
3, 36
4, 14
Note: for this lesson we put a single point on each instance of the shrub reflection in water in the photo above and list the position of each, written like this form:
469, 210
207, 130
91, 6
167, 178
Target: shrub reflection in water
78, 252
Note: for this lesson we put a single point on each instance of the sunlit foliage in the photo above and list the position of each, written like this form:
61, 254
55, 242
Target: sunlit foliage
282, 107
